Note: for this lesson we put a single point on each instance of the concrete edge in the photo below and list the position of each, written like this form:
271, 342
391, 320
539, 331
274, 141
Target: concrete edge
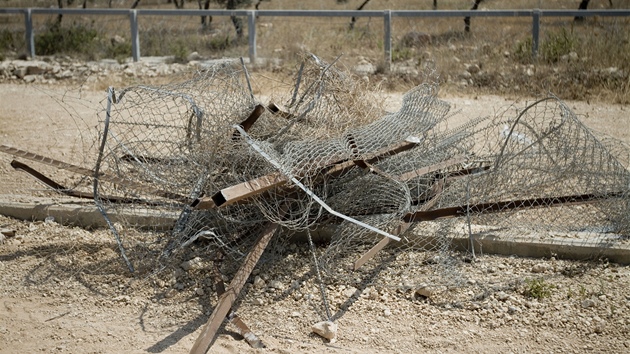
88, 216
82, 215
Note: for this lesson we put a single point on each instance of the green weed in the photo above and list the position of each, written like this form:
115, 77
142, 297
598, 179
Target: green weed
558, 44
538, 288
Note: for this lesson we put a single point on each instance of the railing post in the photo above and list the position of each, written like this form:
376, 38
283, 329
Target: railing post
30, 38
535, 32
387, 40
135, 40
251, 32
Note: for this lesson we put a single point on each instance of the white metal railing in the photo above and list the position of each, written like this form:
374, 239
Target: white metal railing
251, 15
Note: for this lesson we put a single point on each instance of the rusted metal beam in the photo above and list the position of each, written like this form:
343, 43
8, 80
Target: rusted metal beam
496, 207
238, 192
90, 173
432, 168
59, 188
226, 300
428, 215
401, 229
232, 317
250, 120
241, 191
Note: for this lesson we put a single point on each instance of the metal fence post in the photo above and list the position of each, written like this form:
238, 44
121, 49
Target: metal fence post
30, 38
535, 32
387, 40
135, 40
251, 31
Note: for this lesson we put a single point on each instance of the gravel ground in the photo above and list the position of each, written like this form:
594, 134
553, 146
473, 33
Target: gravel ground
64, 289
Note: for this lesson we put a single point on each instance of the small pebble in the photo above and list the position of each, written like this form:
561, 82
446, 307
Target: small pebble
588, 303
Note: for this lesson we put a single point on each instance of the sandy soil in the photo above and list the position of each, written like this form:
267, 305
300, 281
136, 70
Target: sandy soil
64, 289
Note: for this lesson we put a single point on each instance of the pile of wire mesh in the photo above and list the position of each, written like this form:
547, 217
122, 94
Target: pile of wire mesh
211, 163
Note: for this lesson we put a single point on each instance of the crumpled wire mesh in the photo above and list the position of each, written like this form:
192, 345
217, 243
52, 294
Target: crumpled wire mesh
537, 168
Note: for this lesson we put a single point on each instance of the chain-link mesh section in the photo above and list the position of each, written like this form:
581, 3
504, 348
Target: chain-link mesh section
217, 165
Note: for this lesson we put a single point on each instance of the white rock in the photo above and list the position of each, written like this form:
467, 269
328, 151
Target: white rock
275, 284
539, 268
192, 264
424, 291
117, 40
30, 78
349, 292
365, 69
326, 329
193, 56
259, 283
588, 303
501, 296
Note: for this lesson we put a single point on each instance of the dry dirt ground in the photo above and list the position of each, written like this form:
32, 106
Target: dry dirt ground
64, 289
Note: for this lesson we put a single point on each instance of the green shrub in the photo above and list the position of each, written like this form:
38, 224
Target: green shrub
179, 50
76, 38
7, 40
523, 51
119, 51
401, 54
538, 288
219, 43
557, 44
550, 50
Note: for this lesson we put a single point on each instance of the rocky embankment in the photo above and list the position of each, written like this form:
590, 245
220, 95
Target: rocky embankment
50, 70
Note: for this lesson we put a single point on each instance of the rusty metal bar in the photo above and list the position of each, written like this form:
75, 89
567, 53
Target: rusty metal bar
496, 207
243, 329
433, 168
73, 193
238, 192
250, 120
90, 173
226, 300
404, 226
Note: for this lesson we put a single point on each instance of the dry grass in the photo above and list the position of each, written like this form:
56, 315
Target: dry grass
589, 60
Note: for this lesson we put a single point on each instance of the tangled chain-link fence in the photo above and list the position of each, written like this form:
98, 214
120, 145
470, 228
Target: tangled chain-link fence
216, 165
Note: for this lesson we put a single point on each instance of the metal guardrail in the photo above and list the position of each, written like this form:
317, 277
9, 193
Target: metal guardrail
252, 15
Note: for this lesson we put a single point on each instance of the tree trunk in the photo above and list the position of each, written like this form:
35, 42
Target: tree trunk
205, 20
583, 6
467, 18
237, 21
